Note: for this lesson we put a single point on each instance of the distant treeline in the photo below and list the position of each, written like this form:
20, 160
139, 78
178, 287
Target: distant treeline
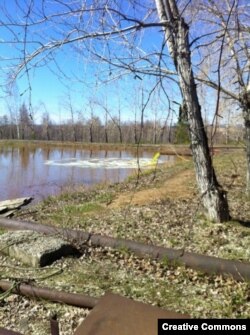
93, 130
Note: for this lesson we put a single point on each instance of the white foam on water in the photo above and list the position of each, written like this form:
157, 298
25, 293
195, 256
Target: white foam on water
105, 163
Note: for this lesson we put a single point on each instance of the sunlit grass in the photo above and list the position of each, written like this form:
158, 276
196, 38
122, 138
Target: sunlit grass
82, 208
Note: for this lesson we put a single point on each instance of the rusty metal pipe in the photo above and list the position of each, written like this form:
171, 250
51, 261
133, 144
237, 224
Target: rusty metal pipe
73, 299
40, 228
208, 264
54, 326
4, 331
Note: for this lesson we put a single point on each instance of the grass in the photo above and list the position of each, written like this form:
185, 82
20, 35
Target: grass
78, 209
2, 231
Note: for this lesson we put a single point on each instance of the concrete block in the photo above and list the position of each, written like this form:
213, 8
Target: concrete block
35, 249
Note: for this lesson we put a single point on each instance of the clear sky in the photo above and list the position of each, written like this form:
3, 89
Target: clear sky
72, 70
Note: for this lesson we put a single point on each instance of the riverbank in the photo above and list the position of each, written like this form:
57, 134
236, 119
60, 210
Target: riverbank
164, 149
160, 207
166, 197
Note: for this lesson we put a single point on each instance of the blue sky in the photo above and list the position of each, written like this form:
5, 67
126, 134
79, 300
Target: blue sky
71, 70
81, 77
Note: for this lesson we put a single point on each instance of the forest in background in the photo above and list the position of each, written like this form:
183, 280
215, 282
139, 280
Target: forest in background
22, 126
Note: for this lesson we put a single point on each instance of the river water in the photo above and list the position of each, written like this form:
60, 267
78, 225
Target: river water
42, 171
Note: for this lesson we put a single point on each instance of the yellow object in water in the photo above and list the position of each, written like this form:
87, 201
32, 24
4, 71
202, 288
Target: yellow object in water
155, 158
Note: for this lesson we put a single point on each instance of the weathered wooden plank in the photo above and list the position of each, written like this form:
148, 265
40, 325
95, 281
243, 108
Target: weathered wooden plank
8, 207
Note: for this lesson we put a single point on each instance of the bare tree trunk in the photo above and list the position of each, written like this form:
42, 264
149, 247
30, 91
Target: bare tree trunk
163, 128
17, 127
106, 134
135, 130
91, 132
245, 103
154, 130
61, 133
247, 127
119, 124
106, 128
176, 33
73, 123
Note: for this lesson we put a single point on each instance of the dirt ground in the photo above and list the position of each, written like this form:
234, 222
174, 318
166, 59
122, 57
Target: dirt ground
177, 187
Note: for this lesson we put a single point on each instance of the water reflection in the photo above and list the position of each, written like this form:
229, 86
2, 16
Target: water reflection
23, 171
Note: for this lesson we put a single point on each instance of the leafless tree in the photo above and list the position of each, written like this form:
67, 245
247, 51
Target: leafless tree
68, 105
116, 120
225, 64
26, 123
177, 37
115, 33
12, 104
46, 126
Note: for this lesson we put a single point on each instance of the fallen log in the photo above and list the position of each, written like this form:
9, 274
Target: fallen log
73, 299
212, 265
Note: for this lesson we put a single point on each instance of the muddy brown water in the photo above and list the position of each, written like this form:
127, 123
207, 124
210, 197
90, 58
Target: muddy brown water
43, 171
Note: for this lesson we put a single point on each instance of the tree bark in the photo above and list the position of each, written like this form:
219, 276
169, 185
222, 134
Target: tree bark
247, 127
176, 33
245, 104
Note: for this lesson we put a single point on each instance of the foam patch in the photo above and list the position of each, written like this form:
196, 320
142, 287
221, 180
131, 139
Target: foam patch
106, 163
